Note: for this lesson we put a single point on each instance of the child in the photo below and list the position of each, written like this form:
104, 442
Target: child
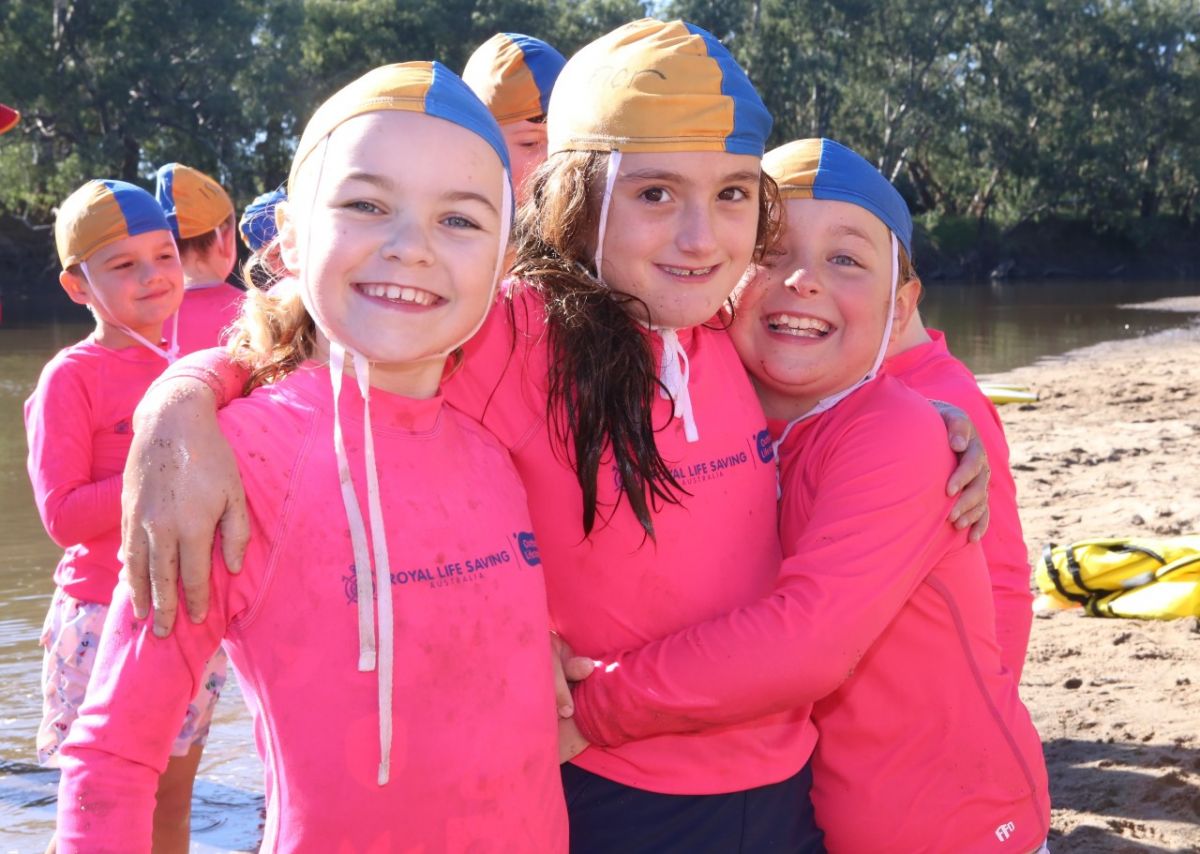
8, 118
513, 75
883, 613
201, 217
920, 359
636, 230
257, 227
119, 259
394, 231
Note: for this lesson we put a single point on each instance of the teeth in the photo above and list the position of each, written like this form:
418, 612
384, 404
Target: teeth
683, 271
398, 293
805, 327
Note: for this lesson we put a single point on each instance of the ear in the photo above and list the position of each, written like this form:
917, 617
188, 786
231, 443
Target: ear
76, 287
908, 294
285, 226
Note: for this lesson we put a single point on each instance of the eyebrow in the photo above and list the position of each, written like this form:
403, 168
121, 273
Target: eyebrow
666, 175
386, 184
851, 231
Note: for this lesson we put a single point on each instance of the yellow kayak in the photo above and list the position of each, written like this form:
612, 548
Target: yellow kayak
999, 394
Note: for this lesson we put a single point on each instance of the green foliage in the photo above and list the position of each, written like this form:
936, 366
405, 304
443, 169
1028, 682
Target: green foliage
985, 114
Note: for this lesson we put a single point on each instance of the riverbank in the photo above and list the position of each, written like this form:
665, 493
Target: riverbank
1110, 449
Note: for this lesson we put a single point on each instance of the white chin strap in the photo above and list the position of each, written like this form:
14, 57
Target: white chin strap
674, 370
169, 353
828, 403
372, 566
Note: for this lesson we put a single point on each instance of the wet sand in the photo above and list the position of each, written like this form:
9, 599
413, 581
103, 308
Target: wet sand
1111, 449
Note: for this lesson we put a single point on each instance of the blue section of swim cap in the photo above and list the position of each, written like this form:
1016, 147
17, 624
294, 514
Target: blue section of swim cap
751, 120
140, 210
545, 63
258, 219
164, 191
450, 99
845, 176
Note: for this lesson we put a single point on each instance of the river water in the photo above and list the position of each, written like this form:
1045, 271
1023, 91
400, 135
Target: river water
991, 327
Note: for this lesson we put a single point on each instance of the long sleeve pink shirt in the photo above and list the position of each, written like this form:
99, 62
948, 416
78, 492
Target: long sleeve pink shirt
932, 371
79, 425
715, 551
473, 760
206, 312
882, 623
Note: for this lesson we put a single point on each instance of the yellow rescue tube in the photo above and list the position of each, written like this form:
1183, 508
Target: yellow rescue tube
999, 394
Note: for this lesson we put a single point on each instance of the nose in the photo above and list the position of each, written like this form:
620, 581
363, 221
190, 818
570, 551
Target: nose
409, 243
802, 281
697, 235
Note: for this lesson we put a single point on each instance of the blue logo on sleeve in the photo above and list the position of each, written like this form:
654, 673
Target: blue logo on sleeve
762, 441
529, 548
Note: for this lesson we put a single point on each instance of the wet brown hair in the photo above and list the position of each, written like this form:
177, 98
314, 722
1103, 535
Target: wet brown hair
602, 377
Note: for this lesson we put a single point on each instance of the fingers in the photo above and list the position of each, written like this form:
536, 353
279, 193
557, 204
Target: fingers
562, 690
980, 527
972, 464
972, 504
577, 668
135, 554
195, 567
164, 575
235, 530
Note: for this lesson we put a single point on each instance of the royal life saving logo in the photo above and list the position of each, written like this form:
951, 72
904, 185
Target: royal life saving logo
521, 549
757, 451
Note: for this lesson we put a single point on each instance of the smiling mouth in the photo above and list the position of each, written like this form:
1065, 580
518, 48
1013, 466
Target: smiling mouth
687, 272
399, 294
801, 326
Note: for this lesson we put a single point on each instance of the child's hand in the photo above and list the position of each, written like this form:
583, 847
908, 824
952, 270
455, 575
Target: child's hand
571, 742
568, 668
181, 484
971, 476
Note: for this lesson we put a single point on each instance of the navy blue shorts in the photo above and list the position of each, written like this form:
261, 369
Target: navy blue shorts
608, 817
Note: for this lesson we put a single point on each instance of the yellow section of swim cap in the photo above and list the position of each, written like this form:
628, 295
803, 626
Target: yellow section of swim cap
88, 220
498, 74
402, 86
794, 167
201, 204
646, 86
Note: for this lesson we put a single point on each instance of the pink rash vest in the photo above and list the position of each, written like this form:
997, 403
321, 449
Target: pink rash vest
79, 425
882, 620
473, 759
932, 371
206, 312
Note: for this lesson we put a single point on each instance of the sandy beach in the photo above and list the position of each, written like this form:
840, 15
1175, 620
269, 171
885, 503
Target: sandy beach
1110, 449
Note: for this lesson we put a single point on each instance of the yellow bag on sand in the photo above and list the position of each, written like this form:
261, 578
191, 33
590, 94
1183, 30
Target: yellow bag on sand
1140, 578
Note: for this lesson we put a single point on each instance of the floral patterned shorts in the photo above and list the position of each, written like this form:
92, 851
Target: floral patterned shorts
69, 637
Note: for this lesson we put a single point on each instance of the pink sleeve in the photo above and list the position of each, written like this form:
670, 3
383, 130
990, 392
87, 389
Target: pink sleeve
58, 424
213, 367
136, 702
876, 529
1004, 548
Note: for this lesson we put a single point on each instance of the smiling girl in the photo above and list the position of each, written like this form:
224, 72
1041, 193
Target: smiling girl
394, 658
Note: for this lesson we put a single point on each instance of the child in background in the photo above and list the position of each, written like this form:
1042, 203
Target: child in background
118, 259
8, 118
920, 358
396, 665
201, 216
513, 75
257, 227
882, 621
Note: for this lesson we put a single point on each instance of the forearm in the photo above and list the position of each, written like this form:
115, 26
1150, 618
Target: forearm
105, 803
215, 369
81, 513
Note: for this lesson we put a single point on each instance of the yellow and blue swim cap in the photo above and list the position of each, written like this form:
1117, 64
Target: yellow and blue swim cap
194, 203
257, 225
655, 86
419, 87
514, 74
99, 214
825, 169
